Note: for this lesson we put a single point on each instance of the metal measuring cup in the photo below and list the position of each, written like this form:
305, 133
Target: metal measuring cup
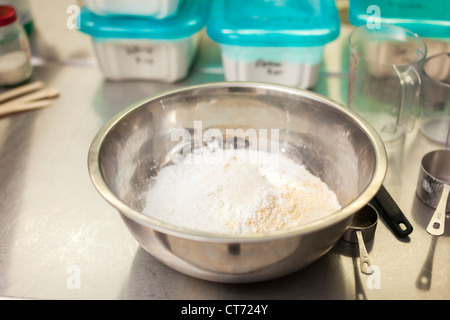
361, 230
433, 187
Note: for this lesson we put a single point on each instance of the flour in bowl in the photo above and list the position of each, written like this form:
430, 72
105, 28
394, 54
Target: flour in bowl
229, 192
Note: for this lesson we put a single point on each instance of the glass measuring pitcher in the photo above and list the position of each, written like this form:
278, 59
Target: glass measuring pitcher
435, 111
384, 80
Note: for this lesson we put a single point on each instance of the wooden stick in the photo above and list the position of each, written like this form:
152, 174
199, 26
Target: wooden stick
13, 108
7, 95
38, 95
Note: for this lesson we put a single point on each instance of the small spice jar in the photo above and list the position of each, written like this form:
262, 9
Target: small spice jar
15, 56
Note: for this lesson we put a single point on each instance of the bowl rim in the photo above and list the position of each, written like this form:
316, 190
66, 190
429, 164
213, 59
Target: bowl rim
167, 228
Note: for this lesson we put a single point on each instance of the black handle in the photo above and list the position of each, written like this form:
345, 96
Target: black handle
391, 213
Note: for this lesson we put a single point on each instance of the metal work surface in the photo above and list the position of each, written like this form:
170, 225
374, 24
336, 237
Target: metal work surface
59, 239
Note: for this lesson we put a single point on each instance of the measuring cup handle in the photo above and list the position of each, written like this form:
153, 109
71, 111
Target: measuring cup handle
410, 82
365, 264
436, 224
391, 212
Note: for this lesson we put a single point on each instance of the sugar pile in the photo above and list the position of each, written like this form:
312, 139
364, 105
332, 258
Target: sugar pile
230, 192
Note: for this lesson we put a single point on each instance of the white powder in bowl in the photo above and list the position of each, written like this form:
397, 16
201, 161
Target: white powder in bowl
243, 191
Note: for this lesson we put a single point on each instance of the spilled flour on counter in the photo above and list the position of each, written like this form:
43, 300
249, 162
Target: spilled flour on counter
226, 192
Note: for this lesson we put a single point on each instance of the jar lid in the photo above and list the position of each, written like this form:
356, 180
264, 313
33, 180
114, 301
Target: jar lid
7, 15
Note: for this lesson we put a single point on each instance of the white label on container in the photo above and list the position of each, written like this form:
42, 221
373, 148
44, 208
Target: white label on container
140, 54
269, 67
143, 60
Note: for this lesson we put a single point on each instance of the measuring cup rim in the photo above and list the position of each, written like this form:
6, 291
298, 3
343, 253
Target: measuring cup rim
427, 171
389, 26
430, 78
369, 226
368, 232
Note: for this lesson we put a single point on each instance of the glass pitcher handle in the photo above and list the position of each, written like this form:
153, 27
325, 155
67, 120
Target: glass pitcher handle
409, 108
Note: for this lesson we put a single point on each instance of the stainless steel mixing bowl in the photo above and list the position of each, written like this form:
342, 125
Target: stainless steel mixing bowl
334, 143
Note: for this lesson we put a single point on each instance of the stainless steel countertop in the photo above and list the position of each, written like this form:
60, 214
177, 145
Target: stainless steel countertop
59, 239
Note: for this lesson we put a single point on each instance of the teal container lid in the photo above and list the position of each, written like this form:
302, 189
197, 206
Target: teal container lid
274, 23
191, 18
426, 18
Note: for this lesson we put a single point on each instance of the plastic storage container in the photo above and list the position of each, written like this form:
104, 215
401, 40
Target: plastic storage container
430, 18
278, 41
157, 9
147, 49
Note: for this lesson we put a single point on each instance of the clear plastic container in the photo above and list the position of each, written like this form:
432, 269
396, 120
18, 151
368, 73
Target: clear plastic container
157, 9
146, 49
278, 41
15, 55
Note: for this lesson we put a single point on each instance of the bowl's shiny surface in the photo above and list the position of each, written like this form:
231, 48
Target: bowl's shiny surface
338, 146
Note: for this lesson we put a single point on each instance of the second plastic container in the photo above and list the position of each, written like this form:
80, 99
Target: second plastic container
278, 41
